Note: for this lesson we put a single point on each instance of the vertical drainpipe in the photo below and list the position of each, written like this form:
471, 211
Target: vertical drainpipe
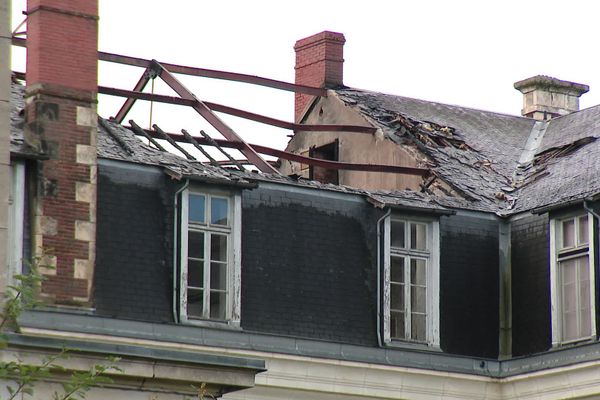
505, 291
5, 89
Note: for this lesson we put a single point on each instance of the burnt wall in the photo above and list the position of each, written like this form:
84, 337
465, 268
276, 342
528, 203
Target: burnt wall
531, 314
308, 265
133, 277
469, 285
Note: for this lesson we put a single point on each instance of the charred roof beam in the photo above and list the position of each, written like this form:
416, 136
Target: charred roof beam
235, 112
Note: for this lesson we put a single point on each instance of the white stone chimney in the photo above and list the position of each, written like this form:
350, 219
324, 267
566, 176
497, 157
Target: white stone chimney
545, 97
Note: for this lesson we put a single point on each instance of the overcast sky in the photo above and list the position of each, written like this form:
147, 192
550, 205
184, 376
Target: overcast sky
467, 53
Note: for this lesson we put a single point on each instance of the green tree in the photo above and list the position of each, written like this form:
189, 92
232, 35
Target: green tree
22, 296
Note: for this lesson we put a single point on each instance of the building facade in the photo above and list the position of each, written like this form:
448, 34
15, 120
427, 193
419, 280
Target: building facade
473, 276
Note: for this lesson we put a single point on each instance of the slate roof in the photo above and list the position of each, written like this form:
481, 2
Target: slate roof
476, 152
479, 152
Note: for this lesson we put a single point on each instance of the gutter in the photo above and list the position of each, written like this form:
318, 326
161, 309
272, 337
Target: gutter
580, 201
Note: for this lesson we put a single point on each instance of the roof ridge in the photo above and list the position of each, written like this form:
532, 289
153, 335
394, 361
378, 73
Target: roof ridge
435, 102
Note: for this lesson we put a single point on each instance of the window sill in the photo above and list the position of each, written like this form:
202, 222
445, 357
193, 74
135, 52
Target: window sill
400, 345
574, 343
230, 325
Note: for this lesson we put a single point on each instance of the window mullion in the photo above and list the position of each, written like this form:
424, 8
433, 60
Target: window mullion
578, 291
407, 299
206, 277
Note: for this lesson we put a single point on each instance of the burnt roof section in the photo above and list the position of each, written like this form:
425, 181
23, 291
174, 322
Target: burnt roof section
118, 143
18, 147
478, 152
565, 168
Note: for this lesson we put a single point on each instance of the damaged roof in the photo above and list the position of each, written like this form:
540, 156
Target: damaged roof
488, 158
118, 143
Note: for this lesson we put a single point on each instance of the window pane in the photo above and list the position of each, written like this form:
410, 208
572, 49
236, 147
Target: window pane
219, 211
218, 276
196, 208
570, 326
418, 327
397, 273
217, 305
397, 297
194, 303
418, 299
418, 236
418, 272
583, 230
195, 244
397, 330
585, 323
568, 233
569, 285
218, 247
196, 274
398, 239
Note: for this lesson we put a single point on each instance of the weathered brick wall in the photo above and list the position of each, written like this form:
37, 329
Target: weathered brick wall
307, 269
531, 314
61, 120
469, 285
134, 263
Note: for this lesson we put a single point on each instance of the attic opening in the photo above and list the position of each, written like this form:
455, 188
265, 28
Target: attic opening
328, 152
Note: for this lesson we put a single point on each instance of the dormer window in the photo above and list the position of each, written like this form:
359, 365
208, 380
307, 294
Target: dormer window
572, 277
210, 257
411, 281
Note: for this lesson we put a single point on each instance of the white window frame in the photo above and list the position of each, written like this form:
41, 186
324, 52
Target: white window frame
16, 215
555, 238
234, 242
432, 279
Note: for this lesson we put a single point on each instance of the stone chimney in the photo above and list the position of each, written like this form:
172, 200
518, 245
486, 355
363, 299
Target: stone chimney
61, 120
319, 62
546, 98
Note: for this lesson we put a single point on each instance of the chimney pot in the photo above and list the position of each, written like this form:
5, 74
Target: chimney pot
545, 97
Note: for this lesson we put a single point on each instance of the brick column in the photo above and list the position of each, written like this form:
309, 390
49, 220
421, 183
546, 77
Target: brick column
319, 62
61, 120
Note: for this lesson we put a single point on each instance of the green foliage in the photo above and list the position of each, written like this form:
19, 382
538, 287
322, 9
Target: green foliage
81, 382
202, 393
22, 296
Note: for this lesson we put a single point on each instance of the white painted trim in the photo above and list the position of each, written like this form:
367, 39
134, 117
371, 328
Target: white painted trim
16, 212
386, 281
234, 241
183, 256
236, 287
592, 262
433, 323
311, 378
433, 280
555, 300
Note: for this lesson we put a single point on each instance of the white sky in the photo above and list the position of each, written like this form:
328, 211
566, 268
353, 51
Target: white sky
467, 53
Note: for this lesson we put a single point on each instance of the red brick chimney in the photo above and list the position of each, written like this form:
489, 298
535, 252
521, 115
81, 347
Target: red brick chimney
61, 120
319, 62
